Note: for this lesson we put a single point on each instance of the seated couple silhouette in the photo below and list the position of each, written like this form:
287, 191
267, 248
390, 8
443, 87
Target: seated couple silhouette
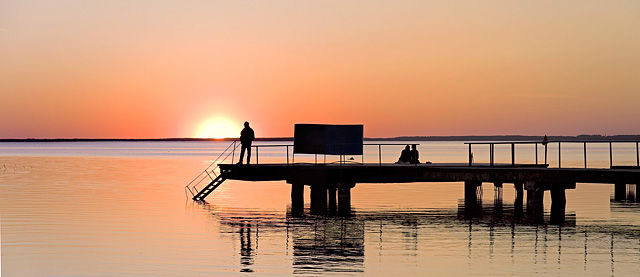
409, 156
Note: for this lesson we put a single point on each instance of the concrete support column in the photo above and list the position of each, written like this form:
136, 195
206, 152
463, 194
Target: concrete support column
620, 191
470, 191
332, 200
632, 192
497, 199
472, 203
518, 202
318, 199
497, 188
297, 199
558, 205
344, 201
519, 193
535, 201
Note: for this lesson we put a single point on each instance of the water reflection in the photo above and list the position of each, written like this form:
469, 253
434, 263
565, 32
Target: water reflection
246, 250
324, 244
328, 246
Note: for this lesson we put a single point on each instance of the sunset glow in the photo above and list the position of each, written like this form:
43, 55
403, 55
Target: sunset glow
111, 69
218, 128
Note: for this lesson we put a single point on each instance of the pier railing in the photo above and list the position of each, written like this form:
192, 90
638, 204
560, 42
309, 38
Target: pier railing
342, 159
213, 169
546, 144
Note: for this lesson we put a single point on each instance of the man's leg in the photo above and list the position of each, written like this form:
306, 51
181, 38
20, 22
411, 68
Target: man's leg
249, 154
241, 153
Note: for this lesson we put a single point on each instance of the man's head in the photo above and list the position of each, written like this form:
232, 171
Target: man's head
413, 146
406, 147
246, 124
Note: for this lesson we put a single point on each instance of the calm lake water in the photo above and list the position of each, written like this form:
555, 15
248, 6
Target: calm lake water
119, 209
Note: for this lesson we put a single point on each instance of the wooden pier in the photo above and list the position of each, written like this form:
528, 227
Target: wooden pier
330, 184
326, 181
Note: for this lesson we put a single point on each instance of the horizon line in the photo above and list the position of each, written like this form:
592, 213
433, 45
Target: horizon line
400, 138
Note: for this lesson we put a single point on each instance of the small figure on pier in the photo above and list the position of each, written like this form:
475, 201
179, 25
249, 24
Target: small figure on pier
246, 137
545, 140
415, 156
405, 156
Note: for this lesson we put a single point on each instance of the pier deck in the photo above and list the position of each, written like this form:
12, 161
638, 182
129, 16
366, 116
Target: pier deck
309, 174
326, 181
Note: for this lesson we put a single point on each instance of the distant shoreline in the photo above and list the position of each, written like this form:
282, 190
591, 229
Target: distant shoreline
402, 138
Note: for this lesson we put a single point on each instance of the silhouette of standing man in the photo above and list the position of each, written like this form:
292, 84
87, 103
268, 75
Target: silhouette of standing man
246, 137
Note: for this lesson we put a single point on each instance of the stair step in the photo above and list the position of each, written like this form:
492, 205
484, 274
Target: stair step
209, 188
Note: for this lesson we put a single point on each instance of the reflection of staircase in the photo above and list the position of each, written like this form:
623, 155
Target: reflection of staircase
213, 168
209, 188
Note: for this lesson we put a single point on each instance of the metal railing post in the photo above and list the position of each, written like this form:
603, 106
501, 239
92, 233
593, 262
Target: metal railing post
637, 156
287, 154
233, 153
585, 155
470, 159
491, 153
536, 153
545, 154
379, 155
257, 154
610, 155
513, 154
559, 156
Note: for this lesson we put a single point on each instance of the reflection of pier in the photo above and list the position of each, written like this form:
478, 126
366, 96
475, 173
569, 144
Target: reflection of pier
320, 244
245, 247
337, 242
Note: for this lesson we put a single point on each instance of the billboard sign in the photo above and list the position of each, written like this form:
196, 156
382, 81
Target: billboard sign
328, 139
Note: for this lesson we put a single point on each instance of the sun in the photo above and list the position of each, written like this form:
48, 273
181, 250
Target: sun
218, 128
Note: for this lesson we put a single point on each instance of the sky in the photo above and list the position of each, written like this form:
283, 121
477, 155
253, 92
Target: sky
155, 69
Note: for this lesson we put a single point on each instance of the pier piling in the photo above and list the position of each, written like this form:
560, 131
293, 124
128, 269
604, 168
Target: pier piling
535, 201
344, 200
332, 200
297, 199
558, 205
318, 199
620, 191
517, 203
470, 191
519, 193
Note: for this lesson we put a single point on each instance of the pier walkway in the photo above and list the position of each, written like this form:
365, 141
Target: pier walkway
330, 183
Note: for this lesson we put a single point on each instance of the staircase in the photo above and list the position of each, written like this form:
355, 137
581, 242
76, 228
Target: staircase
212, 181
209, 188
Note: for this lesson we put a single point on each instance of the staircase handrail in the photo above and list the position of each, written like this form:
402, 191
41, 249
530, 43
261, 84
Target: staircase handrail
205, 173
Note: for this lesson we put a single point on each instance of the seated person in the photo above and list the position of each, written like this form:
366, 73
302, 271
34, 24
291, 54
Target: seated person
405, 156
414, 155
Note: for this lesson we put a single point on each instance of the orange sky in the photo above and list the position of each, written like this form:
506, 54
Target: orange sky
135, 69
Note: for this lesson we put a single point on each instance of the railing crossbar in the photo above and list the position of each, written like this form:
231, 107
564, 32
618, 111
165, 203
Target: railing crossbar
560, 142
